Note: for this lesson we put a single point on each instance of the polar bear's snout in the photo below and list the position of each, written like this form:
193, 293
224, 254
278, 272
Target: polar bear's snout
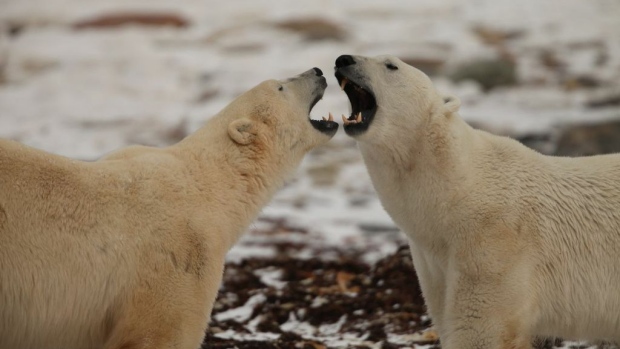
354, 82
313, 83
318, 84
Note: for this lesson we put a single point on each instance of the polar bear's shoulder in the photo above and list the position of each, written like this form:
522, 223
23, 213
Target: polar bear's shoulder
130, 152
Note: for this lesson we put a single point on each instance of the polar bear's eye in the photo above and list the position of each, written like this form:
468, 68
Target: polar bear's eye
391, 66
281, 88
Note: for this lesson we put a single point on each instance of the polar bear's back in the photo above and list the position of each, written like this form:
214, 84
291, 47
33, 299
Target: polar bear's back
49, 245
575, 203
579, 204
566, 212
70, 242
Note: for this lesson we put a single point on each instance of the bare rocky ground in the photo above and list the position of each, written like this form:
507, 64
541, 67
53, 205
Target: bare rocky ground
370, 303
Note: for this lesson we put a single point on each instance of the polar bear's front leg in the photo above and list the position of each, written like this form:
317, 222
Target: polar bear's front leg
484, 314
432, 284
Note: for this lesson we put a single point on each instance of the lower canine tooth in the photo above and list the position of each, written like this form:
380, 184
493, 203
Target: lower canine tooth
359, 117
331, 117
324, 118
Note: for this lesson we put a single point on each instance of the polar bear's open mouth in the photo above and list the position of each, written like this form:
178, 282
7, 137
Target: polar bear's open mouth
326, 125
363, 105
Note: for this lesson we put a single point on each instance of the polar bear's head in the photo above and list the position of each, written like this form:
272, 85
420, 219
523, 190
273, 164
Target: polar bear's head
388, 98
276, 113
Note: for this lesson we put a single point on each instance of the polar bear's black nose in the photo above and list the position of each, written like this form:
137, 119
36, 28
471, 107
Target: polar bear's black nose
344, 60
318, 71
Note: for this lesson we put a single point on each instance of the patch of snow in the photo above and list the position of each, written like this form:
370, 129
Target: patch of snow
331, 329
319, 301
261, 336
241, 251
271, 276
242, 313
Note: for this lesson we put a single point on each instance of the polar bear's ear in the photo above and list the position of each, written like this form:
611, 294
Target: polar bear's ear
242, 131
451, 104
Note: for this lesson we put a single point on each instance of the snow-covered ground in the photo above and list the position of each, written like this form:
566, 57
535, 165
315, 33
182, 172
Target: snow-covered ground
84, 92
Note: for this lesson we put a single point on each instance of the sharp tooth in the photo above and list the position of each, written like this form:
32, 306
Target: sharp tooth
331, 117
343, 83
359, 117
345, 121
324, 118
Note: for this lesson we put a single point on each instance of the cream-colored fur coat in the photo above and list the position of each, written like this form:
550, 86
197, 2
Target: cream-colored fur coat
508, 244
128, 251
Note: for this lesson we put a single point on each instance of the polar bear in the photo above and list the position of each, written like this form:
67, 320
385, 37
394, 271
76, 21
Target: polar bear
128, 252
508, 244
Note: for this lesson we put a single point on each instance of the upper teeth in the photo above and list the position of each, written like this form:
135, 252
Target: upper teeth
343, 83
358, 119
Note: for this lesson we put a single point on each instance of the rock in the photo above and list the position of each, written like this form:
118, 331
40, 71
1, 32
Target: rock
541, 142
589, 139
206, 95
429, 66
489, 73
581, 81
149, 132
117, 19
491, 36
550, 59
13, 29
371, 228
314, 29
608, 100
175, 134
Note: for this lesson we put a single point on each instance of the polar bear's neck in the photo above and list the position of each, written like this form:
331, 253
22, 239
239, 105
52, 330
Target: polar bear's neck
235, 179
413, 179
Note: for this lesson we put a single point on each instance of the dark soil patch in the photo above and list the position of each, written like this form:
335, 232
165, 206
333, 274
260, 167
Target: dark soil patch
377, 301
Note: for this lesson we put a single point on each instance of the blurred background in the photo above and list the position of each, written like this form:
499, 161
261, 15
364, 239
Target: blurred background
82, 78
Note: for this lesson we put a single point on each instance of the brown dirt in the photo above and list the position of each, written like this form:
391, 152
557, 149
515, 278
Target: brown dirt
116, 19
377, 300
314, 29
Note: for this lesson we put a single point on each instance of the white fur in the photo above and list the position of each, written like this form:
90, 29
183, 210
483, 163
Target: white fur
127, 252
508, 244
